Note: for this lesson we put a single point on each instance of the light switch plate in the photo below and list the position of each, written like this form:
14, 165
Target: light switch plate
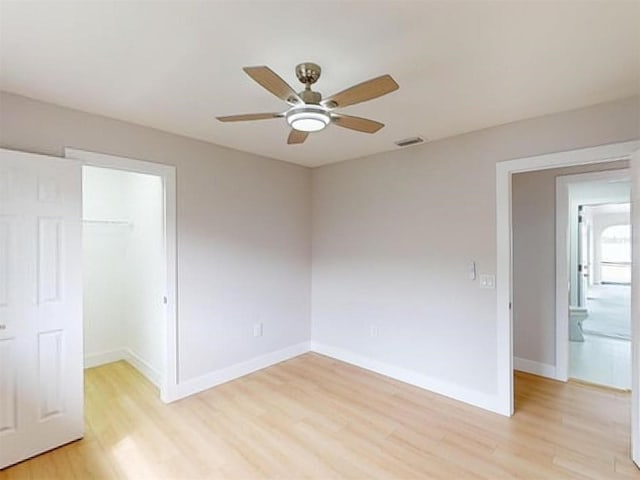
257, 329
488, 281
471, 268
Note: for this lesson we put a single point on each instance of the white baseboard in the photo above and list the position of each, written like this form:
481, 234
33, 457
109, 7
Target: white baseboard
143, 367
96, 359
205, 382
456, 392
537, 368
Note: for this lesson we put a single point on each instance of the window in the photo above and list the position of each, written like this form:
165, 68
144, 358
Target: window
615, 260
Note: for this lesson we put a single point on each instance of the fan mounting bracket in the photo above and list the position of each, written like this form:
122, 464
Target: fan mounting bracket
308, 73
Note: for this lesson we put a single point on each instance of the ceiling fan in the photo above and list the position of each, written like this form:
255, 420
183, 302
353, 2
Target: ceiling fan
308, 111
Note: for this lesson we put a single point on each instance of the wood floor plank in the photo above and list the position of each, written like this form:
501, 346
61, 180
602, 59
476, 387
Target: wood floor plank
315, 417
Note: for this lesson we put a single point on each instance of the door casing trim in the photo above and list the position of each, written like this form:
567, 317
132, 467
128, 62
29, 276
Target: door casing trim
504, 275
170, 376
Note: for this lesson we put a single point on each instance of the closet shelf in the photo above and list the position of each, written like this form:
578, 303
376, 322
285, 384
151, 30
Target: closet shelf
108, 222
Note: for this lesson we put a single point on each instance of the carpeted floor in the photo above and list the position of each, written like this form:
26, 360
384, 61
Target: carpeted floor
609, 309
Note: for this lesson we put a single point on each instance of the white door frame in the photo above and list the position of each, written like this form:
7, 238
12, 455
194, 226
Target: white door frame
635, 307
563, 269
169, 381
504, 286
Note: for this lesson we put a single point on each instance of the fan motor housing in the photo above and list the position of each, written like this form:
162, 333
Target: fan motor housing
310, 97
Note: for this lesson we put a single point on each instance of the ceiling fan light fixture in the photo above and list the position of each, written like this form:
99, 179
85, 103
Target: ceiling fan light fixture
308, 111
309, 118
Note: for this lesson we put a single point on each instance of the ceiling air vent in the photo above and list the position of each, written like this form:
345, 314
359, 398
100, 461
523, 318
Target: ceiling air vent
409, 141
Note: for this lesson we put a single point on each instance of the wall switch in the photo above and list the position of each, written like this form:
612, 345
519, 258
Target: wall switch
471, 270
257, 329
488, 281
374, 331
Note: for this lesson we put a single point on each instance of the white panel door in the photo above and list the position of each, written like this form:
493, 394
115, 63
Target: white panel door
635, 308
41, 370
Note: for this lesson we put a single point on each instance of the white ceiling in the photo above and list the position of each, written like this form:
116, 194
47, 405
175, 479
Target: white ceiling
461, 66
598, 192
609, 208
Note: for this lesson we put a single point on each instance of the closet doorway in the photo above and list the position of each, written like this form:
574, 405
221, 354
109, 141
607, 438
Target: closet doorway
128, 253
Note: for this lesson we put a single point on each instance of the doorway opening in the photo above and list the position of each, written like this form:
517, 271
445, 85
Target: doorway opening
124, 273
505, 170
597, 250
129, 266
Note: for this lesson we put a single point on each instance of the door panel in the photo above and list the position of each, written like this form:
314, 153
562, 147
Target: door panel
8, 411
5, 235
41, 371
49, 259
50, 356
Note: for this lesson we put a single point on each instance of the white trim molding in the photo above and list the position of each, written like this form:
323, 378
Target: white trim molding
635, 307
224, 375
504, 278
97, 359
143, 367
168, 381
102, 358
447, 389
536, 368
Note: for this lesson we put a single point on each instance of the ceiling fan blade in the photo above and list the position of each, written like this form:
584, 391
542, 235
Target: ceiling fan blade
296, 136
270, 80
249, 116
374, 88
357, 123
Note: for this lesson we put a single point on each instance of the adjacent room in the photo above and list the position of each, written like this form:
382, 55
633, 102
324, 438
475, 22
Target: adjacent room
318, 239
596, 309
602, 354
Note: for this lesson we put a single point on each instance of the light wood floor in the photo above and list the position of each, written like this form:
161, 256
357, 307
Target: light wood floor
313, 417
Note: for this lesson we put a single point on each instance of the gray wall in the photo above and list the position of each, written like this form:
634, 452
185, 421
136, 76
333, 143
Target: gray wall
243, 230
393, 234
534, 261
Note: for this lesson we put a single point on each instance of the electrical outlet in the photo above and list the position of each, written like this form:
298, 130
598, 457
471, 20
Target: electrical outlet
374, 331
488, 281
257, 329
